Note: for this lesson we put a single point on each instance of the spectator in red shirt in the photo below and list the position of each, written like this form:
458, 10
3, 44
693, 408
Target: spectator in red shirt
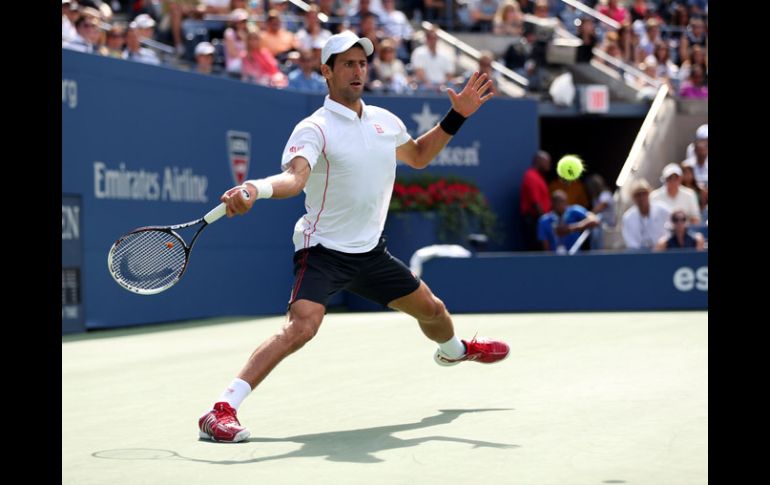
614, 11
535, 199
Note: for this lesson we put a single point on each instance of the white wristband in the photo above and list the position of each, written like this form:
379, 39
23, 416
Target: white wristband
264, 188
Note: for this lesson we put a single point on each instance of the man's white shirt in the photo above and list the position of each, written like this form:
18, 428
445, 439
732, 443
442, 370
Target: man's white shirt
353, 168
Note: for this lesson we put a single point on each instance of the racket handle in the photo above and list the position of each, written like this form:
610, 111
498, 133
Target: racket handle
217, 212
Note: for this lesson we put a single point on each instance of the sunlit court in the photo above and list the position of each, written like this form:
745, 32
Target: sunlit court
583, 398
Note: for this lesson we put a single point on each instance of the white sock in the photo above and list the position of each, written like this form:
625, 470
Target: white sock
235, 393
453, 348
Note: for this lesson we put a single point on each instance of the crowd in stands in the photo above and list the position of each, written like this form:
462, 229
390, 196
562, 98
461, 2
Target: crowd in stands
272, 42
675, 215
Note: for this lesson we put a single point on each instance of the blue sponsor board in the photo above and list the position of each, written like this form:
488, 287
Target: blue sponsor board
146, 145
72, 318
521, 282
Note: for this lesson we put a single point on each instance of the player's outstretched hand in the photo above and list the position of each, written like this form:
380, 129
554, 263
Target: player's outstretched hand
472, 96
236, 203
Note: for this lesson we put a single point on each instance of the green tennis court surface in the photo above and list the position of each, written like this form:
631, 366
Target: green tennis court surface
585, 398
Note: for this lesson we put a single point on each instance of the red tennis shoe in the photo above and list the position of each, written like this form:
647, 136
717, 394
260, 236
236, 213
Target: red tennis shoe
221, 424
484, 350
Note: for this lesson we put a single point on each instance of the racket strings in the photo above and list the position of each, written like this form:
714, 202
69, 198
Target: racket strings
148, 260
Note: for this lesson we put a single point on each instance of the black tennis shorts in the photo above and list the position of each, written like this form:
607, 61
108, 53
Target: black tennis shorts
377, 275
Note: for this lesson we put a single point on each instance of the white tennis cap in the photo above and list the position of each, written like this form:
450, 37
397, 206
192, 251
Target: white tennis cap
339, 43
204, 49
669, 170
702, 133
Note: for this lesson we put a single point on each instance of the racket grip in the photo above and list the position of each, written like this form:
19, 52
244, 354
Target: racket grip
217, 212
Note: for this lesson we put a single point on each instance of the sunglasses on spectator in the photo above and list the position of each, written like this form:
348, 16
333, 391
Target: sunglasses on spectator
679, 219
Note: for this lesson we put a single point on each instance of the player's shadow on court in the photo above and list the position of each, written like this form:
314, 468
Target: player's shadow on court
355, 445
359, 445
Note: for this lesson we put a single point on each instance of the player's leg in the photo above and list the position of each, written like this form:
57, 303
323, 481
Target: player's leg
430, 312
302, 323
317, 275
436, 323
388, 281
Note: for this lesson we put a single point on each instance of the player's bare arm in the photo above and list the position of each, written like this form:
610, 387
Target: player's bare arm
419, 153
284, 185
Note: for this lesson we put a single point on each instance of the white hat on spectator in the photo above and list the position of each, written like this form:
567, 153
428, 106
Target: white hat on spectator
341, 42
669, 170
702, 133
690, 162
144, 21
204, 49
318, 43
239, 14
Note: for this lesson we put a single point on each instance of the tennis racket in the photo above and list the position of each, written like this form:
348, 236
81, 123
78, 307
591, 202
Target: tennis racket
152, 259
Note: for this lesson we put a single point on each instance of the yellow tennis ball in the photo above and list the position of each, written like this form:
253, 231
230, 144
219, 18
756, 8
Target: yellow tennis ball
570, 167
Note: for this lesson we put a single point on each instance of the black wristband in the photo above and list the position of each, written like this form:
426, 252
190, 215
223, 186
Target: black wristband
452, 122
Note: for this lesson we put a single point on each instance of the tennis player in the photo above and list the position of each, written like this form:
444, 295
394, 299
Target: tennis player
343, 157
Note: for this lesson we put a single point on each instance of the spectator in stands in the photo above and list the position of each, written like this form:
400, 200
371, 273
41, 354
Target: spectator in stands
485, 67
666, 68
603, 205
388, 73
145, 26
69, 15
695, 86
615, 12
702, 133
638, 10
602, 202
695, 33
508, 20
311, 32
275, 38
87, 36
644, 223
204, 58
174, 13
235, 40
368, 28
701, 192
673, 196
575, 190
115, 43
651, 36
680, 237
482, 14
134, 50
700, 161
534, 199
586, 31
696, 56
680, 17
432, 69
306, 77
542, 10
259, 66
559, 229
625, 39
396, 26
364, 8
612, 48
